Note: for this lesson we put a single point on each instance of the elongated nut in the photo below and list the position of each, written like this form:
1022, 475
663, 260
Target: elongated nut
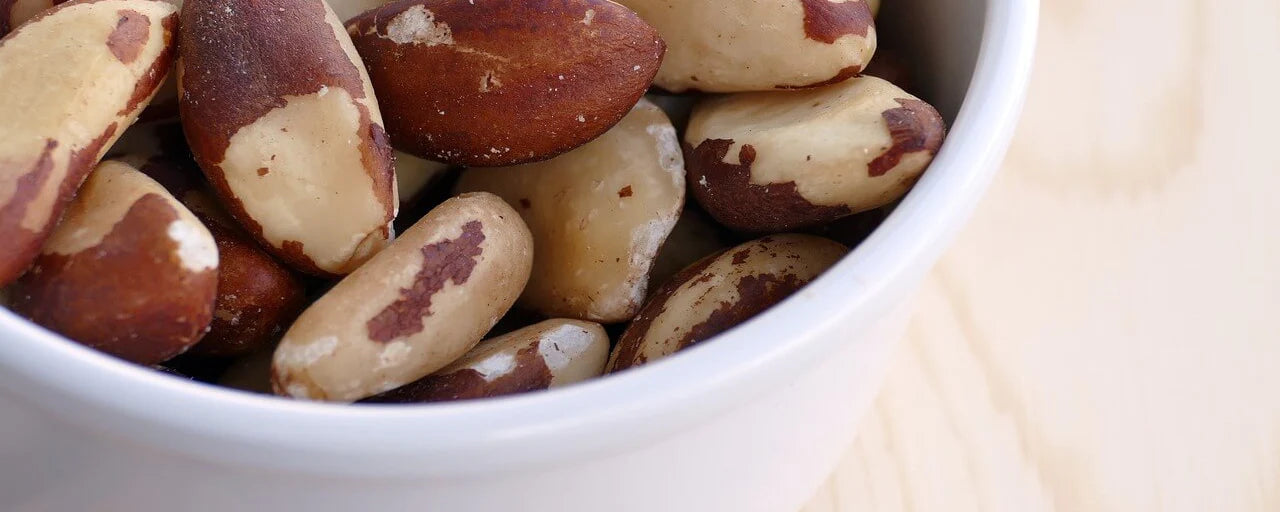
752, 45
546, 355
129, 271
258, 297
413, 308
280, 115
720, 292
780, 161
598, 214
509, 82
72, 80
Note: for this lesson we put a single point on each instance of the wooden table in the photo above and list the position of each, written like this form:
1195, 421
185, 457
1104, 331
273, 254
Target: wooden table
1105, 336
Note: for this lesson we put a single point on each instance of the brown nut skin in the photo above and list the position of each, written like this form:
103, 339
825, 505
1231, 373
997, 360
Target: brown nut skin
280, 115
258, 297
598, 215
510, 82
412, 309
73, 79
129, 271
782, 161
720, 292
754, 45
546, 355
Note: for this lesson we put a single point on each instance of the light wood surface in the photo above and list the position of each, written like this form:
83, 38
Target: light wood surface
1105, 336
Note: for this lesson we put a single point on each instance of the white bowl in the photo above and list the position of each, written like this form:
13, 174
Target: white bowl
751, 421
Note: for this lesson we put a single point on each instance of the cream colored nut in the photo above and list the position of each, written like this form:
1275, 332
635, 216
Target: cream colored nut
753, 45
695, 236
415, 176
72, 80
347, 9
770, 162
546, 355
720, 292
598, 215
412, 309
129, 270
279, 113
17, 12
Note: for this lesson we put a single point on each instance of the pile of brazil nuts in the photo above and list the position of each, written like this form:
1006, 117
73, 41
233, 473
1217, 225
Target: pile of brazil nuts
435, 200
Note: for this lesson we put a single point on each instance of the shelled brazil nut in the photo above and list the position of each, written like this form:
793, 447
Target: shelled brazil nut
510, 82
750, 45
598, 215
412, 309
772, 162
720, 292
545, 355
279, 113
73, 79
85, 283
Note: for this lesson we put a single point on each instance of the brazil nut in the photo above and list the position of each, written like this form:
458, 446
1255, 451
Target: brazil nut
84, 284
74, 78
546, 355
772, 162
280, 115
598, 215
720, 292
412, 309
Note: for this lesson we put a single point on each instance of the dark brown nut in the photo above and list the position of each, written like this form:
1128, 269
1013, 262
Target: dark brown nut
258, 297
695, 236
279, 113
509, 82
751, 45
546, 355
720, 292
771, 162
412, 309
73, 79
598, 215
129, 270
250, 373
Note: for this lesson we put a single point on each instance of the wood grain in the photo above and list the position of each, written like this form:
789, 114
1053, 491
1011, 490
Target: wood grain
1105, 335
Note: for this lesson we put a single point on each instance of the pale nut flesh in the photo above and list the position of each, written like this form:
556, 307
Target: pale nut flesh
598, 215
84, 284
279, 113
751, 45
412, 309
74, 78
545, 355
773, 162
720, 292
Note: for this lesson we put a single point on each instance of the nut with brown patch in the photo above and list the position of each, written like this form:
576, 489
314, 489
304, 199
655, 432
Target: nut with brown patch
598, 215
412, 309
546, 355
720, 292
771, 162
279, 113
509, 82
85, 283
258, 297
73, 79
750, 45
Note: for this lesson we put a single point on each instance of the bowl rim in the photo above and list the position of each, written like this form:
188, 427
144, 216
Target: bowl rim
603, 416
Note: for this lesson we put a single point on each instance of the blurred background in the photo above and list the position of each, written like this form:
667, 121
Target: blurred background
1105, 335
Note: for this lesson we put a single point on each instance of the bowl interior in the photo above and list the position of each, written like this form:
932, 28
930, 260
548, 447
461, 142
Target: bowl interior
953, 44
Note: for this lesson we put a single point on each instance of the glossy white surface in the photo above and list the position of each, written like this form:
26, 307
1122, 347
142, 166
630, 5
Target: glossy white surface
753, 421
